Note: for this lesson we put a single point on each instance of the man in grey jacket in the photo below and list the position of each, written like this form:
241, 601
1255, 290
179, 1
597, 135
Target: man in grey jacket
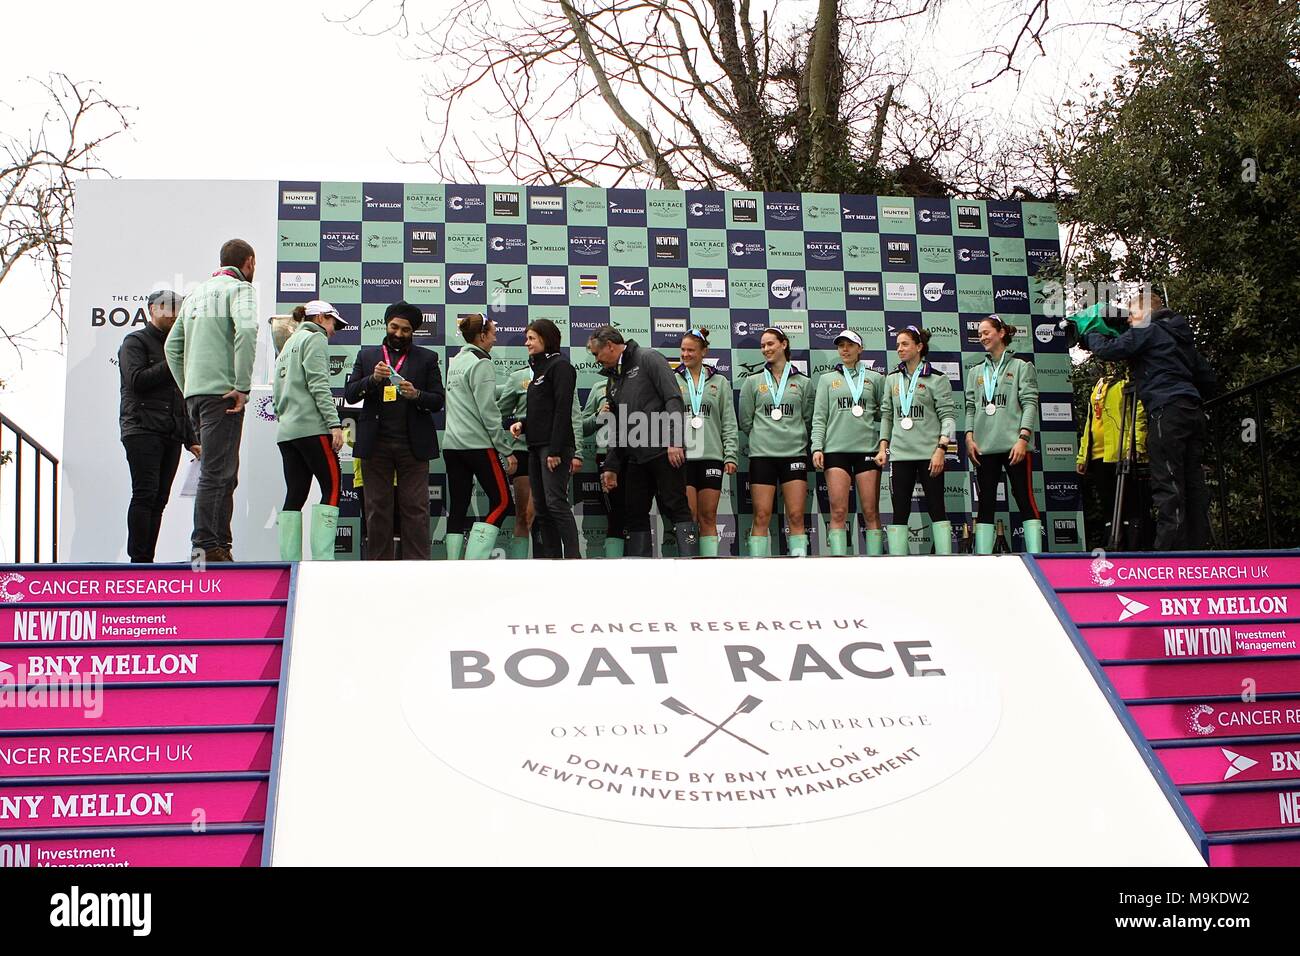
646, 425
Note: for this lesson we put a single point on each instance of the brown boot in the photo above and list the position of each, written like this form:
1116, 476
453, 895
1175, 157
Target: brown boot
217, 555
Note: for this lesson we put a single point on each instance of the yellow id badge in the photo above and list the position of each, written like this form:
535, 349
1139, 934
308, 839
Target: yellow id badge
390, 393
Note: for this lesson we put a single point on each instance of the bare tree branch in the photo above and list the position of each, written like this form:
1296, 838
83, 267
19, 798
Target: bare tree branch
37, 173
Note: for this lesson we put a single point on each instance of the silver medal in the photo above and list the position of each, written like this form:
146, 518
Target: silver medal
776, 414
905, 424
857, 411
990, 409
697, 422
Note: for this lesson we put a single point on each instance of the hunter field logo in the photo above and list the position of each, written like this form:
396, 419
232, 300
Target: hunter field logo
735, 732
298, 197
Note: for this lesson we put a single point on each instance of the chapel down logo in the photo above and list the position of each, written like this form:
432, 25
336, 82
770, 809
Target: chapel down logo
638, 719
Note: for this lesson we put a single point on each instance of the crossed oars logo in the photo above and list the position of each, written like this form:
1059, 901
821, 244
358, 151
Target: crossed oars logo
744, 707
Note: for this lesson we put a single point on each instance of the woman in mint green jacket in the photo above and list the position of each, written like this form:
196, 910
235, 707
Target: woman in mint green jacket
1001, 415
310, 433
845, 435
474, 445
710, 435
776, 410
916, 417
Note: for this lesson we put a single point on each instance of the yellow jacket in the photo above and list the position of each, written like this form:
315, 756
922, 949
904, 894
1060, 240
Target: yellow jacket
1108, 398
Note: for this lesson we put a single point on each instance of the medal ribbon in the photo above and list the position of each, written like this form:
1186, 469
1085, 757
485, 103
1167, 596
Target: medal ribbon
778, 391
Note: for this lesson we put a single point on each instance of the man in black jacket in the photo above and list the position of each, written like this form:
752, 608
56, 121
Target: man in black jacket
154, 425
647, 440
1172, 379
402, 389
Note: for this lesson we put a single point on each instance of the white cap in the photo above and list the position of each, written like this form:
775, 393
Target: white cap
321, 307
851, 336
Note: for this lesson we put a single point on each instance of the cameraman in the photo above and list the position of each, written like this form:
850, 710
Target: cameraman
1171, 379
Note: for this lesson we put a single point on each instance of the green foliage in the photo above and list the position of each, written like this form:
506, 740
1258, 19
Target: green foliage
1187, 175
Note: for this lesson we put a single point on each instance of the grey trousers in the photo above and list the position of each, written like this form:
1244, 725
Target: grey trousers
214, 503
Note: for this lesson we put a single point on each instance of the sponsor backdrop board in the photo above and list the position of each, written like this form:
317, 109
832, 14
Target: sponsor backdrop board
652, 263
1203, 650
137, 712
829, 720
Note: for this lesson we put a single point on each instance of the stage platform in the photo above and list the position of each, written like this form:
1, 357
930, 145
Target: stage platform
1132, 710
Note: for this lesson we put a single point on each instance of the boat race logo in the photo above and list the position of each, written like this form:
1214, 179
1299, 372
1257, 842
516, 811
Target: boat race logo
769, 723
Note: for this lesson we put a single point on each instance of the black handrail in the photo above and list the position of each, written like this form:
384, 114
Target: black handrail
1257, 384
1254, 389
24, 440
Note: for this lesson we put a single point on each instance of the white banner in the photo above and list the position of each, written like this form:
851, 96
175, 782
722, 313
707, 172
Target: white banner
134, 237
649, 724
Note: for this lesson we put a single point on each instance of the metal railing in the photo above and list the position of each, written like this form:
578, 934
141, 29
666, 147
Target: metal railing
15, 454
1217, 408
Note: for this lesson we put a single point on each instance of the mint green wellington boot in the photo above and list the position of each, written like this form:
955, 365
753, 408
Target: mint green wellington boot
838, 540
708, 546
1033, 536
898, 539
760, 547
984, 538
798, 545
614, 547
941, 532
455, 546
875, 541
324, 519
481, 540
518, 549
289, 525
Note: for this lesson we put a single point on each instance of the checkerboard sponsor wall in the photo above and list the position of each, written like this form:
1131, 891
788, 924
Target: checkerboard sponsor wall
653, 263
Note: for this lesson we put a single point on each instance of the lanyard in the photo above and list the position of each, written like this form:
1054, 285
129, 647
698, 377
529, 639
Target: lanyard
778, 391
907, 392
400, 362
856, 389
697, 398
991, 384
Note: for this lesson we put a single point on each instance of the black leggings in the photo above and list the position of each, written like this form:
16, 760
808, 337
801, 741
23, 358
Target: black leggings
903, 476
304, 458
988, 473
462, 468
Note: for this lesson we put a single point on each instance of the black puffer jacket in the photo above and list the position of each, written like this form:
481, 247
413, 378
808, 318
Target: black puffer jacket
151, 402
643, 383
1162, 359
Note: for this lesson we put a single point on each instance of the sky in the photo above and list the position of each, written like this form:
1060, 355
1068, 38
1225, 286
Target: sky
300, 97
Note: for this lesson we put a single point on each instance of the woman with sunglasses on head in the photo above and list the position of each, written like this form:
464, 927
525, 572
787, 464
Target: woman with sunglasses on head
309, 433
776, 410
845, 435
1001, 415
916, 417
711, 438
475, 444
